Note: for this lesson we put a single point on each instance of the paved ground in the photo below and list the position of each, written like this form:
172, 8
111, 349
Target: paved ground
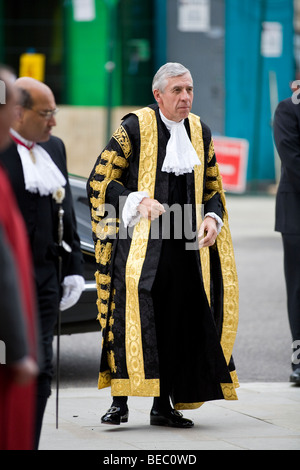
265, 417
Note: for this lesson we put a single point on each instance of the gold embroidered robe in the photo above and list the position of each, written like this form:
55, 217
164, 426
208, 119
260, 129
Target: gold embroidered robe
127, 265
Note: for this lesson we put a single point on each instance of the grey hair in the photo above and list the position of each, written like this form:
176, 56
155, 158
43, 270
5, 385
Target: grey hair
170, 69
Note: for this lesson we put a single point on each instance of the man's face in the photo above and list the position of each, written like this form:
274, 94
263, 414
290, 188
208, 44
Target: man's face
35, 123
175, 102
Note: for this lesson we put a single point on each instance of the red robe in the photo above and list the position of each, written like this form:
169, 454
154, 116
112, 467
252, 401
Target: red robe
17, 403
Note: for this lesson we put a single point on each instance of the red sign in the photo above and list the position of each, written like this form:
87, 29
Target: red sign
232, 158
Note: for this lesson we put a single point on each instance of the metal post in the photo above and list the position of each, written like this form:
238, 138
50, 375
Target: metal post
257, 113
110, 64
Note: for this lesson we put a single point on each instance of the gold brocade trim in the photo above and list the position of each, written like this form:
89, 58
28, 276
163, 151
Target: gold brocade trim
123, 387
102, 320
98, 185
188, 406
229, 392
102, 308
230, 283
114, 173
121, 136
110, 334
107, 227
102, 278
111, 360
212, 171
110, 173
110, 337
104, 379
98, 203
136, 257
95, 203
211, 150
118, 160
94, 213
212, 185
103, 252
197, 141
234, 379
103, 294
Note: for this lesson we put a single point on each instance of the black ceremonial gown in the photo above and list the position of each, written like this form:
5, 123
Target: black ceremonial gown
169, 314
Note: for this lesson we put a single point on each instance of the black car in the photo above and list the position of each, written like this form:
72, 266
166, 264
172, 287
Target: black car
82, 317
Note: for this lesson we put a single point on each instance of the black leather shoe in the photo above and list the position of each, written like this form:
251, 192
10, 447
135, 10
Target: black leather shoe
171, 418
295, 376
113, 416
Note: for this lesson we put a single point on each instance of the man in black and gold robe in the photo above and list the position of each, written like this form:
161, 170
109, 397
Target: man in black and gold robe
166, 277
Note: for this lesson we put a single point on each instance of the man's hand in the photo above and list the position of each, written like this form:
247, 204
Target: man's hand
208, 232
150, 208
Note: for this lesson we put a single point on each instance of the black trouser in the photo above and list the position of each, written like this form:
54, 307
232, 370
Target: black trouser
48, 293
291, 248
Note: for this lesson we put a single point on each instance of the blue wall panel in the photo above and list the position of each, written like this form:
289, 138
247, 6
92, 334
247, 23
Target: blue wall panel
247, 104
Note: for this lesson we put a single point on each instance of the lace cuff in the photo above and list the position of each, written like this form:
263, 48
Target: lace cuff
130, 214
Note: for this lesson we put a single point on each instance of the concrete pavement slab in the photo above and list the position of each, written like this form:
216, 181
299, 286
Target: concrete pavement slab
265, 417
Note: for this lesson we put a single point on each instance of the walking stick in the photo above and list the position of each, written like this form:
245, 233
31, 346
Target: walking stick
59, 196
60, 239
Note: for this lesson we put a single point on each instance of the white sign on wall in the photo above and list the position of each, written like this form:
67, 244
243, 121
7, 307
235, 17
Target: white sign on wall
194, 15
84, 10
271, 39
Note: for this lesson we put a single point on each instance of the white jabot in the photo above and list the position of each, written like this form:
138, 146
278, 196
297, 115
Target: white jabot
40, 175
181, 157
